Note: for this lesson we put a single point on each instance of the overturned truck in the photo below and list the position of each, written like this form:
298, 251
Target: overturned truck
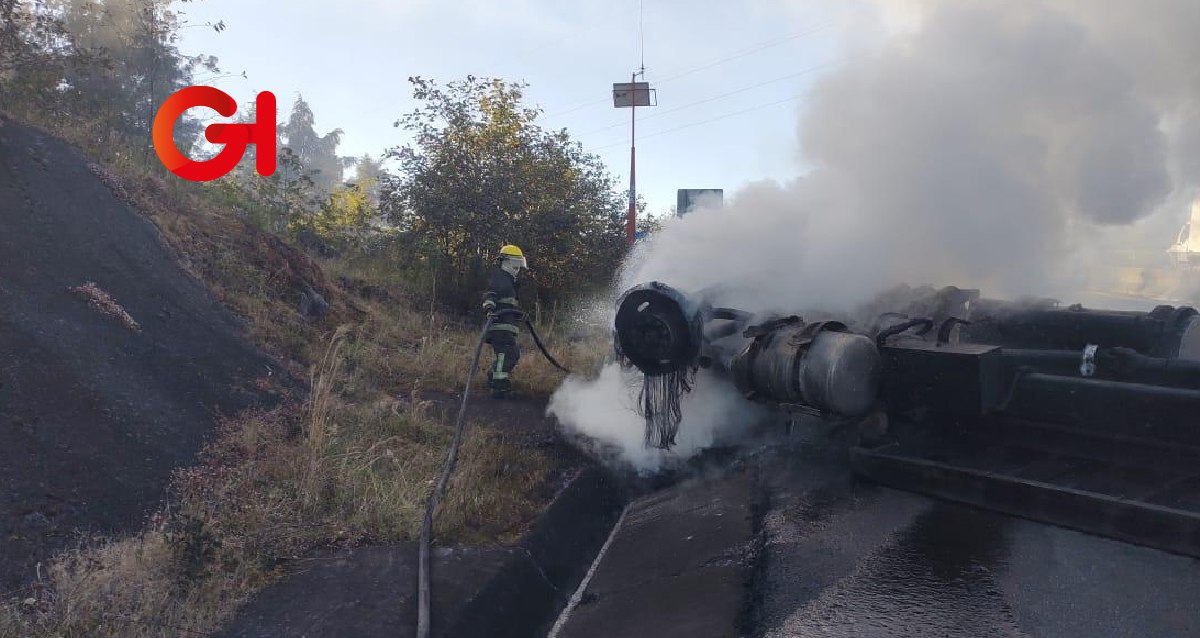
1084, 418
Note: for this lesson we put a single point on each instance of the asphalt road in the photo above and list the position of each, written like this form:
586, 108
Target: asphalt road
847, 559
787, 542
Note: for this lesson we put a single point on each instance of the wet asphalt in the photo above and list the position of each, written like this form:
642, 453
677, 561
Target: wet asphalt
845, 558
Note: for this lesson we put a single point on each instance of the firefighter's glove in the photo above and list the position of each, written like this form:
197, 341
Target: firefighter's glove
489, 306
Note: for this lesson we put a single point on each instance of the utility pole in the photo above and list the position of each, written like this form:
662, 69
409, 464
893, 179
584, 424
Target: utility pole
631, 96
631, 216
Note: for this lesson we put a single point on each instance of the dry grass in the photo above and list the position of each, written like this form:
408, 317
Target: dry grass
411, 350
339, 470
351, 463
583, 356
103, 303
128, 588
262, 278
255, 274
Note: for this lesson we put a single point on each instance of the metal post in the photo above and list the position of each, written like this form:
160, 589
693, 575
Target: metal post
631, 217
628, 96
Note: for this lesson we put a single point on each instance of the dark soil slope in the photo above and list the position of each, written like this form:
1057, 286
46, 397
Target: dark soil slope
93, 415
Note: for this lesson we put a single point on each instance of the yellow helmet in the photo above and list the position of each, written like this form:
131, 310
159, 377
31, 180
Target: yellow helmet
513, 255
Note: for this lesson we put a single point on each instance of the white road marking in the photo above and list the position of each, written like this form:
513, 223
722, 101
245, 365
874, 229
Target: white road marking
587, 579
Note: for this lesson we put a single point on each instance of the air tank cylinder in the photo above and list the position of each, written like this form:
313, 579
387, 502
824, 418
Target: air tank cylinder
819, 366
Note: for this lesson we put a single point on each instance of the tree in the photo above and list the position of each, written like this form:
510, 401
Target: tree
99, 68
306, 191
346, 217
650, 224
368, 172
36, 53
276, 202
480, 173
317, 153
140, 62
25, 37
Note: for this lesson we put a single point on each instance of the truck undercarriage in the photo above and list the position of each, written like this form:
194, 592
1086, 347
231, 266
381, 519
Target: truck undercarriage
1083, 418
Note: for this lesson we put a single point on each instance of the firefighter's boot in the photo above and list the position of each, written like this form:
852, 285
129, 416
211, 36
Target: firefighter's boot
500, 384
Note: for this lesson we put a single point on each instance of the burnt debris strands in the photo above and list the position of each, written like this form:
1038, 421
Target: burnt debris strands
1078, 417
659, 403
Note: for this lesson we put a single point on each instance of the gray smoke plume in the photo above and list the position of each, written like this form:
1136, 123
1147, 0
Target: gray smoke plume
985, 143
990, 143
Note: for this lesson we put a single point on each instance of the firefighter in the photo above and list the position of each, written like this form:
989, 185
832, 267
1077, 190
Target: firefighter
500, 302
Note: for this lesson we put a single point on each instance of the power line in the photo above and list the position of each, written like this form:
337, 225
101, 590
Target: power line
716, 97
708, 121
743, 53
762, 46
578, 108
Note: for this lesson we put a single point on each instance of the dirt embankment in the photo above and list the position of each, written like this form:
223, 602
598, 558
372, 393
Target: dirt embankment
95, 412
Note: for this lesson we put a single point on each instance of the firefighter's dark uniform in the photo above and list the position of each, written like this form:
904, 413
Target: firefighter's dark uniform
502, 291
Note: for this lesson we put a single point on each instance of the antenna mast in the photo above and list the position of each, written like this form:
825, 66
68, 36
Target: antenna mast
631, 96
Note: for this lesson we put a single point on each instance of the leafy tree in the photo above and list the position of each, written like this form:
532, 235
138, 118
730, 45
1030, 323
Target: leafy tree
26, 37
36, 53
140, 64
346, 217
273, 202
317, 154
480, 173
307, 173
649, 224
15, 49
350, 216
369, 173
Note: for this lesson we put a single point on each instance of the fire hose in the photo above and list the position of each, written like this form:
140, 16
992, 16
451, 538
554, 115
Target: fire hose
546, 353
424, 587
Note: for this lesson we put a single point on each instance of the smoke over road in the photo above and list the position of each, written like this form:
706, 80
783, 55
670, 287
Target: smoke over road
980, 143
602, 409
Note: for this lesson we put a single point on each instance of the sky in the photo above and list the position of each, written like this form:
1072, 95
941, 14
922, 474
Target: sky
730, 76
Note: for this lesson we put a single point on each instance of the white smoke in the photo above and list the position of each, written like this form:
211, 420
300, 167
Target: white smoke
604, 410
983, 143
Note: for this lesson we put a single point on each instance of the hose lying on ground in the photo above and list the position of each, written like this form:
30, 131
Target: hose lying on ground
424, 588
423, 581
